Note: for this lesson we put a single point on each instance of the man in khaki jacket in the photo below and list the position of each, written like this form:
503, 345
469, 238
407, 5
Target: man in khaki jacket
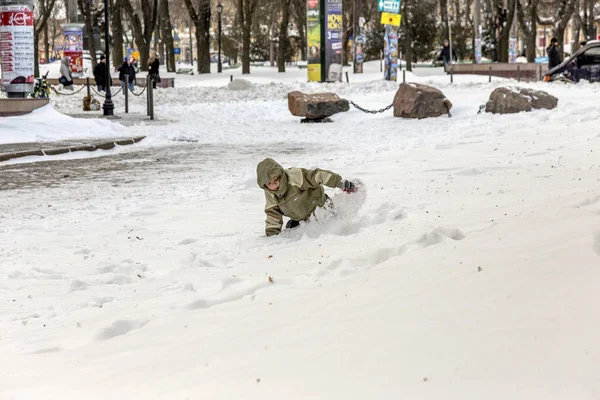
294, 192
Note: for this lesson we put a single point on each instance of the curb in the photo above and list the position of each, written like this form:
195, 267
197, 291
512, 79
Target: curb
62, 150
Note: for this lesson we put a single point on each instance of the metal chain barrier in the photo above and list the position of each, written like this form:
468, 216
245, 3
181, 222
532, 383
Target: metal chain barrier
371, 111
141, 93
381, 110
67, 94
103, 94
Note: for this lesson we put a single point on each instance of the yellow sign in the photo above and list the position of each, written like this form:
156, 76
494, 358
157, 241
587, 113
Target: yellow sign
390, 19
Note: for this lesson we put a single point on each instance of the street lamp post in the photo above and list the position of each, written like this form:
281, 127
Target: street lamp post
219, 64
108, 105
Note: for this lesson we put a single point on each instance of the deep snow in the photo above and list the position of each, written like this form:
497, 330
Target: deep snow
470, 272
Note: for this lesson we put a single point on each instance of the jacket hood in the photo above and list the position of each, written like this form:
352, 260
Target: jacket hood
267, 170
65, 61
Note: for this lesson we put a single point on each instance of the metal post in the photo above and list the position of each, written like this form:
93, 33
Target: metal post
380, 61
151, 100
148, 86
219, 64
490, 74
126, 89
403, 76
108, 105
87, 82
230, 78
451, 73
450, 35
518, 73
347, 79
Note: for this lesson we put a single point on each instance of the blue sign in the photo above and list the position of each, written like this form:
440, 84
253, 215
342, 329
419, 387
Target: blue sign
360, 39
176, 50
389, 6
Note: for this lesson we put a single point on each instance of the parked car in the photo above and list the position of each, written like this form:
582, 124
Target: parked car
583, 64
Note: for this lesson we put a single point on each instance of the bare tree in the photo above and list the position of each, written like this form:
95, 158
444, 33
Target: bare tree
246, 10
201, 20
167, 35
527, 15
283, 35
87, 11
45, 9
559, 20
298, 11
504, 27
116, 12
588, 19
142, 32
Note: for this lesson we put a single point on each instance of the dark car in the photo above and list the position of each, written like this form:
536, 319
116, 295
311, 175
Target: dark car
584, 64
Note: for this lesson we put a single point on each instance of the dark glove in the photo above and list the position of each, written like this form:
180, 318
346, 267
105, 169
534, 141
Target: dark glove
349, 187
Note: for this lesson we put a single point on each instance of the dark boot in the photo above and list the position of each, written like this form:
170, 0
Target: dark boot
291, 224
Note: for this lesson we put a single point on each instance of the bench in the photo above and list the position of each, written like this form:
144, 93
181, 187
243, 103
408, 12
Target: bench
186, 70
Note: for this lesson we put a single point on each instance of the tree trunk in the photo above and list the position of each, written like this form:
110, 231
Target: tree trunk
303, 50
167, 36
117, 33
46, 7
142, 33
527, 17
503, 40
588, 23
299, 12
246, 10
444, 16
46, 43
283, 35
406, 25
201, 20
86, 11
565, 11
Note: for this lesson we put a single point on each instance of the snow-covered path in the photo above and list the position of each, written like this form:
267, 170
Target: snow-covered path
470, 272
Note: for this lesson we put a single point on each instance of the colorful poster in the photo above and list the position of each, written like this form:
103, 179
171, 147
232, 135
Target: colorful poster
333, 40
16, 47
73, 34
313, 30
512, 50
360, 55
391, 53
477, 51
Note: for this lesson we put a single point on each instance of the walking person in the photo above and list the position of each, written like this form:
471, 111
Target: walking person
127, 69
100, 72
153, 65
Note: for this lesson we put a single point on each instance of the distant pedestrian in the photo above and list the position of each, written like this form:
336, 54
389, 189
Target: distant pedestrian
153, 65
445, 53
65, 79
554, 58
127, 69
582, 43
100, 72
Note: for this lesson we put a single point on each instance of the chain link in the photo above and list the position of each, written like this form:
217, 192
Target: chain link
141, 93
371, 111
67, 94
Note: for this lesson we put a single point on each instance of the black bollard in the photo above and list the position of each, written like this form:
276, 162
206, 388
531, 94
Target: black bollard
126, 89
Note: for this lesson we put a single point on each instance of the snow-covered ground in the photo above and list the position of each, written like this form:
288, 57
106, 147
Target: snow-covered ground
470, 272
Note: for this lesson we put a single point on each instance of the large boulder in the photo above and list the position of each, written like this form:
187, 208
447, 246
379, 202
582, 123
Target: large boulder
414, 100
316, 105
514, 100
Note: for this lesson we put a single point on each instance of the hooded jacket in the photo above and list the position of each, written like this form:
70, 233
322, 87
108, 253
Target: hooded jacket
64, 68
300, 192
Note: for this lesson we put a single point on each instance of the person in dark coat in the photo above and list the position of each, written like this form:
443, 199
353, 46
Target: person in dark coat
153, 65
554, 58
100, 74
445, 53
127, 69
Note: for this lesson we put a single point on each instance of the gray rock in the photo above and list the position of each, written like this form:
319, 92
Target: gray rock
514, 100
316, 105
414, 100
